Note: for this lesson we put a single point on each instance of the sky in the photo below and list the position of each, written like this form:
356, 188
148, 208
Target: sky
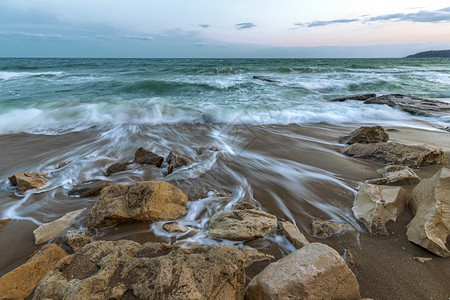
233, 28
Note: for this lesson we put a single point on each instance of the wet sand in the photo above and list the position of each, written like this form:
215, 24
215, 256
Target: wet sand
294, 172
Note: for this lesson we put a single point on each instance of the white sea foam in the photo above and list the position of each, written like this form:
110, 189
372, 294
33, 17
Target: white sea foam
4, 75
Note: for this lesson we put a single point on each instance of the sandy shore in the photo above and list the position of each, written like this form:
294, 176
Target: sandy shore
295, 172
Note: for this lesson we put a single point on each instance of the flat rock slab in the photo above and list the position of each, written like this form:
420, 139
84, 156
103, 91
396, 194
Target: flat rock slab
413, 156
315, 271
126, 269
365, 135
28, 180
146, 157
91, 188
377, 204
240, 225
430, 200
294, 236
396, 175
324, 229
361, 97
20, 282
146, 201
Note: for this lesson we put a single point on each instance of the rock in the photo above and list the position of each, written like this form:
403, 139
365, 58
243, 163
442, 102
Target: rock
413, 105
117, 167
48, 231
422, 259
76, 239
252, 255
125, 269
315, 271
239, 225
28, 180
262, 78
324, 229
145, 157
396, 175
243, 206
146, 201
365, 135
430, 200
177, 160
203, 150
377, 204
361, 97
175, 228
350, 258
223, 194
413, 156
3, 222
91, 188
291, 232
20, 282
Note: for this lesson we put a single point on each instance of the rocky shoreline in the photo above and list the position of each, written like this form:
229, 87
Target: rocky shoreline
86, 267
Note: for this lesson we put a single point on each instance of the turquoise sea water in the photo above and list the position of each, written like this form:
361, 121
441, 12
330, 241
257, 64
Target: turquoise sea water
54, 96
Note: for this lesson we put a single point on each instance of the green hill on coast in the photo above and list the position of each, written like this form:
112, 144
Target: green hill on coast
431, 54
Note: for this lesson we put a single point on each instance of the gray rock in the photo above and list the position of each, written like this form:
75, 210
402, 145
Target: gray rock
361, 97
117, 167
91, 188
145, 157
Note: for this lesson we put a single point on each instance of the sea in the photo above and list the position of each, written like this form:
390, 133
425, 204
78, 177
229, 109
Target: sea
262, 131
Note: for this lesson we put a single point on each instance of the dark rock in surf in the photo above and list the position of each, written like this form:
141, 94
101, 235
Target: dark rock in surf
365, 135
265, 79
145, 157
91, 188
117, 167
362, 97
177, 160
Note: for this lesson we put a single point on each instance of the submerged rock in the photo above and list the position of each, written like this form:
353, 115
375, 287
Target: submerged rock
315, 271
50, 230
413, 156
141, 201
396, 175
91, 188
20, 282
430, 200
177, 160
28, 180
145, 157
291, 232
126, 269
324, 229
117, 167
365, 135
76, 239
3, 222
361, 97
377, 204
175, 228
240, 225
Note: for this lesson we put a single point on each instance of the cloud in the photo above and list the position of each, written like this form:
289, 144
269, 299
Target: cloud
325, 23
247, 25
138, 37
204, 25
41, 36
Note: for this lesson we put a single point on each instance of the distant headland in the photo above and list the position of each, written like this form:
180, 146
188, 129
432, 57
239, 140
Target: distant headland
431, 54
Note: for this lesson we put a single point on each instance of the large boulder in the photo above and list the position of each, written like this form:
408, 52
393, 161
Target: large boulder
396, 175
315, 271
177, 160
291, 232
141, 201
20, 282
324, 229
430, 200
28, 180
91, 188
49, 230
377, 204
240, 225
127, 270
365, 135
413, 156
145, 157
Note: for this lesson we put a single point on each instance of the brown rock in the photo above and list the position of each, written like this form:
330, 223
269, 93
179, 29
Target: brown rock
430, 200
146, 201
291, 232
422, 259
252, 255
48, 231
145, 157
315, 271
350, 258
117, 167
239, 225
396, 175
3, 222
175, 228
91, 188
413, 156
177, 160
28, 180
243, 206
20, 282
377, 204
324, 229
76, 239
365, 135
126, 269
